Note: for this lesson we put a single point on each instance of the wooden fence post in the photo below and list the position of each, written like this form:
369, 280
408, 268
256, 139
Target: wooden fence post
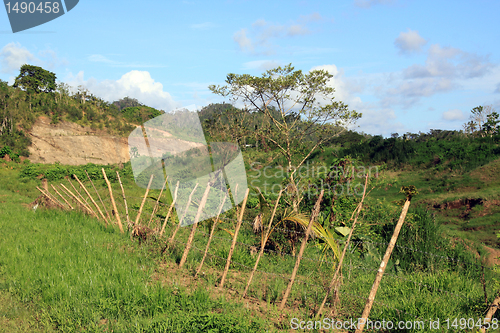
124, 199
171, 239
102, 203
92, 199
410, 191
268, 231
83, 205
169, 210
157, 201
212, 231
84, 202
143, 202
491, 311
113, 201
231, 250
66, 201
49, 196
339, 265
193, 227
315, 213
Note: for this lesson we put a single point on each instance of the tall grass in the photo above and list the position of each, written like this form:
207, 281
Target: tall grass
84, 277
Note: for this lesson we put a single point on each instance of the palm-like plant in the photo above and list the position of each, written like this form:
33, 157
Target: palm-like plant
294, 224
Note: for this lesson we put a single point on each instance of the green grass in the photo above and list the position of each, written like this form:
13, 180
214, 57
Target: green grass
82, 276
72, 273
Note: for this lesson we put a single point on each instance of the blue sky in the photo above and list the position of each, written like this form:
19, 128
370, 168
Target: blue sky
408, 66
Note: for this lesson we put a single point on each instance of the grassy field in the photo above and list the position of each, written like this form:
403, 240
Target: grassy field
67, 272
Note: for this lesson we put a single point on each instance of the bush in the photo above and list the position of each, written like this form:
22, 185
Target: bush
5, 151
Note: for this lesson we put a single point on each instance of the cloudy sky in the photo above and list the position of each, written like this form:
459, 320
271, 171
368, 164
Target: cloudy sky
408, 66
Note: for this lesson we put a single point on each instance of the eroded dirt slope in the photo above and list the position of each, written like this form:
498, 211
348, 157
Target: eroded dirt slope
73, 144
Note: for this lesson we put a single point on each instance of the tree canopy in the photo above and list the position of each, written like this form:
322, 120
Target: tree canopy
296, 106
35, 79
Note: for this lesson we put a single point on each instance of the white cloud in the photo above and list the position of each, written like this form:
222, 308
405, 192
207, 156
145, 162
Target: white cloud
262, 65
454, 114
100, 58
313, 17
135, 84
497, 90
259, 38
449, 62
13, 56
243, 41
445, 69
409, 42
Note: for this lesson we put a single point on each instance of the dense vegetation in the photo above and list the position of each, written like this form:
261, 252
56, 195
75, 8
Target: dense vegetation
81, 276
28, 99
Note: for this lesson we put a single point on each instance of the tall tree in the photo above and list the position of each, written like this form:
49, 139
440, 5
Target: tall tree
305, 109
35, 79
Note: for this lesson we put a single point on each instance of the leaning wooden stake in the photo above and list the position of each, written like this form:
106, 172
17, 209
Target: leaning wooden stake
69, 195
236, 231
157, 201
339, 265
315, 213
59, 194
193, 227
169, 210
143, 202
91, 199
102, 203
171, 239
410, 191
212, 231
491, 311
113, 201
124, 199
262, 246
83, 205
48, 196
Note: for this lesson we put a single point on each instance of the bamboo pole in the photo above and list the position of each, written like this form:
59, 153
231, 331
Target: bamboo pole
212, 231
491, 311
84, 202
143, 202
193, 227
113, 201
236, 231
90, 211
383, 265
102, 203
48, 196
157, 201
169, 210
91, 199
315, 213
171, 239
62, 196
65, 192
45, 186
263, 244
124, 199
341, 260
